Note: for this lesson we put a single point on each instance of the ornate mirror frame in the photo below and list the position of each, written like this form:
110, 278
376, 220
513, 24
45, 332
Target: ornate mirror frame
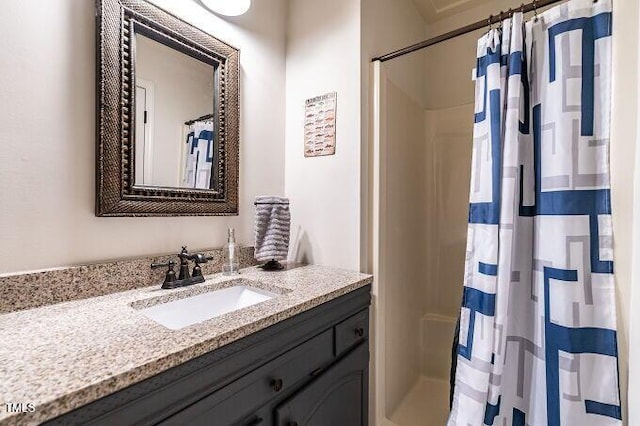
117, 22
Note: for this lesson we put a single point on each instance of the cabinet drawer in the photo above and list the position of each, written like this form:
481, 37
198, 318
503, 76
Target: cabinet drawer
246, 395
351, 331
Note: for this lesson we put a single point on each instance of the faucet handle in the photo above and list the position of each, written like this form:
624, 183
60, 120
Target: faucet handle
184, 256
198, 258
170, 264
170, 276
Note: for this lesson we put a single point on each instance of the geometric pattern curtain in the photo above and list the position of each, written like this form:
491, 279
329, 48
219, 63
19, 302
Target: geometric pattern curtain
537, 342
198, 153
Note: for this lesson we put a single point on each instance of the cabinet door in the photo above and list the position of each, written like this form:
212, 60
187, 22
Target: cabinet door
232, 404
338, 396
261, 417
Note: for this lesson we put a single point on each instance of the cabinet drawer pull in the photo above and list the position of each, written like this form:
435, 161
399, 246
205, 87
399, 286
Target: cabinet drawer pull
277, 384
255, 421
359, 331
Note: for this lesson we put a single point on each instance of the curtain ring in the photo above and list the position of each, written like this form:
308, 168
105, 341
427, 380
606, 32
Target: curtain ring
535, 10
490, 24
511, 11
522, 8
500, 19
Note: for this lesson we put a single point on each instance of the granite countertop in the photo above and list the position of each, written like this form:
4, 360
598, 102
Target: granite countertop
60, 357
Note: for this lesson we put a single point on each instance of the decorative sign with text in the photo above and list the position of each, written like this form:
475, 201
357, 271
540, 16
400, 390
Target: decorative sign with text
320, 125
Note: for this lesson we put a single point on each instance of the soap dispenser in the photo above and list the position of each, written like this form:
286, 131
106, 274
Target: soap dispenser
231, 265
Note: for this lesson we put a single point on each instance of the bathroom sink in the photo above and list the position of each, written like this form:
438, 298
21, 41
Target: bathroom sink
192, 310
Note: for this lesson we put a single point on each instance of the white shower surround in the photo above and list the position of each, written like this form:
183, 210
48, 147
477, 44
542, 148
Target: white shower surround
414, 320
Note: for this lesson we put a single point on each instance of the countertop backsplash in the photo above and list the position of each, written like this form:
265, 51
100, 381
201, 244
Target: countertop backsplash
33, 289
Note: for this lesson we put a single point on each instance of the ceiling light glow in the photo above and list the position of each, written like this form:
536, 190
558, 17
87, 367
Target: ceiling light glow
227, 7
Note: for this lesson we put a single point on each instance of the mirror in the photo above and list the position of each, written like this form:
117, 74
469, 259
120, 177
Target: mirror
167, 115
174, 118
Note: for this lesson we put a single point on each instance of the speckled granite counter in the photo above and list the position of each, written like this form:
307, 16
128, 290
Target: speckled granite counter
60, 357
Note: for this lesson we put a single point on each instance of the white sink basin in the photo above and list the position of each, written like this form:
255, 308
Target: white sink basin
192, 310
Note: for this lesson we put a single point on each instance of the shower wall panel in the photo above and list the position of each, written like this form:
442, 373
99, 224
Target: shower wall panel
449, 141
406, 264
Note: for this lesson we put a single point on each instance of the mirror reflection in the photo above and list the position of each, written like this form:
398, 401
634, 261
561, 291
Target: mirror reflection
175, 144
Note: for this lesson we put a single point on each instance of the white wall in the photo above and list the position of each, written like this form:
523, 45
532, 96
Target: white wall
624, 128
47, 121
634, 314
634, 305
323, 55
329, 48
388, 25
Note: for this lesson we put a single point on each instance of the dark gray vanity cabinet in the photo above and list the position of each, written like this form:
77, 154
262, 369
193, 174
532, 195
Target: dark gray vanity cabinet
311, 369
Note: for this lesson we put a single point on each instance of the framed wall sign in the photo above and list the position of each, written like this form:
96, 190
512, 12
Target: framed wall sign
320, 125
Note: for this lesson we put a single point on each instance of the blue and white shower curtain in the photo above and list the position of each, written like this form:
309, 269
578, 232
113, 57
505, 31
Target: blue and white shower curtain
537, 342
199, 155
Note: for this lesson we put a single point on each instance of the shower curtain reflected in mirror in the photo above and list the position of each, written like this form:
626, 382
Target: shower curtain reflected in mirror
198, 155
537, 342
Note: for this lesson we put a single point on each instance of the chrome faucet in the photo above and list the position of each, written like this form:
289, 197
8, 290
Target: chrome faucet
184, 278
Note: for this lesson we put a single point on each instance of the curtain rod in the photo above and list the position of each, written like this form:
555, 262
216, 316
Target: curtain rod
204, 117
493, 19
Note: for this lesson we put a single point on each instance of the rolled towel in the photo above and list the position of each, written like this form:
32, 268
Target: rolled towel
273, 221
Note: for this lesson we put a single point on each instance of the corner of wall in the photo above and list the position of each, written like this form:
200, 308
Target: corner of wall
323, 55
634, 308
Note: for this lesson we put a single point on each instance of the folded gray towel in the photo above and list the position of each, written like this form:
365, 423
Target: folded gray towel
273, 221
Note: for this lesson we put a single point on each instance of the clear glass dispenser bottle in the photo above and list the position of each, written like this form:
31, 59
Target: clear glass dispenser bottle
231, 265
